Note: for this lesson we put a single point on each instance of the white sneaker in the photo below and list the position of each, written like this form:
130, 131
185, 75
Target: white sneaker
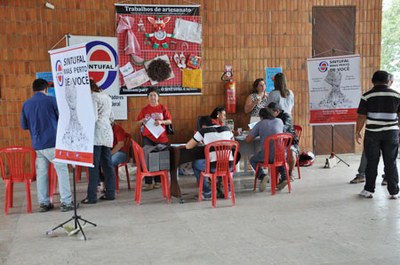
263, 183
366, 194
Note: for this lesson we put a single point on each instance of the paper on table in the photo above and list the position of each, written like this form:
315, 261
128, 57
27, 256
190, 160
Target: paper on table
156, 130
251, 125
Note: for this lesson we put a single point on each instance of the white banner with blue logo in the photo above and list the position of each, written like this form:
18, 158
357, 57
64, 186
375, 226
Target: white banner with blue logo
334, 89
102, 54
75, 130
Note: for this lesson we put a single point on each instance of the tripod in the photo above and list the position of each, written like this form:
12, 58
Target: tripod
333, 153
75, 217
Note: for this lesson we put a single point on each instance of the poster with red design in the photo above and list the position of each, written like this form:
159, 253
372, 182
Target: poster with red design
334, 89
159, 46
75, 129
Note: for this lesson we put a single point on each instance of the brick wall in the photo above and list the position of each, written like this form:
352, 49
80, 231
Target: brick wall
250, 35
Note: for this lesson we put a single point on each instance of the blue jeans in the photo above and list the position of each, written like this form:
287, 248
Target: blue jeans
198, 166
387, 143
43, 158
259, 157
101, 157
118, 158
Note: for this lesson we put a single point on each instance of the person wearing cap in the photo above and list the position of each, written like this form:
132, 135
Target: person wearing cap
40, 116
161, 117
277, 111
269, 125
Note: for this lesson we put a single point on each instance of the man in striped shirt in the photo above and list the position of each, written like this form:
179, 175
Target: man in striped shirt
207, 134
378, 110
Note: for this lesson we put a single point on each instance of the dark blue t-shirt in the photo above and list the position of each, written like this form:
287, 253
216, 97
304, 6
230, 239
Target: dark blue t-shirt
40, 116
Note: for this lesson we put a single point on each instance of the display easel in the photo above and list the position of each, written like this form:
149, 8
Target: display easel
77, 225
332, 149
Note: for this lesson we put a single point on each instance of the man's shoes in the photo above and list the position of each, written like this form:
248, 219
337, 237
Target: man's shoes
157, 185
45, 207
358, 179
66, 207
291, 178
148, 187
105, 198
281, 185
86, 201
263, 183
384, 182
394, 197
366, 194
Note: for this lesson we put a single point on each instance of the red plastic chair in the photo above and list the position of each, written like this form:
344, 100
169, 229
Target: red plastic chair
143, 172
224, 152
17, 164
281, 143
299, 130
128, 146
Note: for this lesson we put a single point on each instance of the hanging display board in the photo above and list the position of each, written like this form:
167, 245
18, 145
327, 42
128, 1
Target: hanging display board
159, 46
335, 90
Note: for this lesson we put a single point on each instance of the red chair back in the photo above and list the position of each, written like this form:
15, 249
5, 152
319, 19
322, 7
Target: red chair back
17, 164
281, 143
223, 154
142, 172
141, 166
299, 130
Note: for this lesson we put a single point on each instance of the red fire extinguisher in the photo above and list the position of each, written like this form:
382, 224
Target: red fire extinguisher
230, 87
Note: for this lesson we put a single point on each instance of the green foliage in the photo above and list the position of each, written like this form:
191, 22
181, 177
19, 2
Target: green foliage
390, 54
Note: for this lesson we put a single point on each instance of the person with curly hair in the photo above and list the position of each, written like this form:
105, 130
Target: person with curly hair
256, 100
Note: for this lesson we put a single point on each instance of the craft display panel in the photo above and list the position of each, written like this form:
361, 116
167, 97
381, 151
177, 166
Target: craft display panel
149, 29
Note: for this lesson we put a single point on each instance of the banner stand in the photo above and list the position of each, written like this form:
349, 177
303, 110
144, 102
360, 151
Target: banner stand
77, 227
333, 153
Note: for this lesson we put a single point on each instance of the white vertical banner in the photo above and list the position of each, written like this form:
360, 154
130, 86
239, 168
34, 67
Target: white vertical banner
334, 88
75, 131
102, 54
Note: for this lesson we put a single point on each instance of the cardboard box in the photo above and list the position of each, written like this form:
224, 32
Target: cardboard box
157, 161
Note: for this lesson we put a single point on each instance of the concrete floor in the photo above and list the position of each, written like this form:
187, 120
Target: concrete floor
323, 221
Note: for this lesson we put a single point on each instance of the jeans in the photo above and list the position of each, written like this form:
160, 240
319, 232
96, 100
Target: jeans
198, 166
387, 143
43, 158
118, 158
101, 157
363, 165
259, 157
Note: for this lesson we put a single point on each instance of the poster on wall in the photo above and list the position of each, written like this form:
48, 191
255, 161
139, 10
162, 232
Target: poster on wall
334, 89
159, 46
75, 130
48, 76
270, 72
103, 68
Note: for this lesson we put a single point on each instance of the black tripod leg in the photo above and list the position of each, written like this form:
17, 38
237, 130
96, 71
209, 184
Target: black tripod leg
341, 160
86, 221
59, 226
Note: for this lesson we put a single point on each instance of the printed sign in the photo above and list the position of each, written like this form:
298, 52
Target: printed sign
335, 90
103, 66
75, 130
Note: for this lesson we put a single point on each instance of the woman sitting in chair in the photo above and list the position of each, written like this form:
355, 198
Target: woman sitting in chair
218, 116
160, 116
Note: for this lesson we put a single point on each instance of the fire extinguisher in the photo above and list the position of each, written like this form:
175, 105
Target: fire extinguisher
230, 87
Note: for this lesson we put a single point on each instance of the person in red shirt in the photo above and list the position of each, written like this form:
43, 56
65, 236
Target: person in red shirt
159, 114
119, 151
